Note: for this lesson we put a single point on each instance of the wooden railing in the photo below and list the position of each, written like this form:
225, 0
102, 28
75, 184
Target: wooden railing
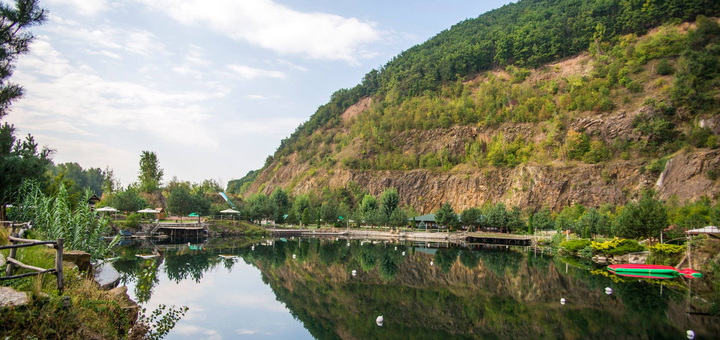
17, 242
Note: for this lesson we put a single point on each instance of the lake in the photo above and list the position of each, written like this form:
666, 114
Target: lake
305, 289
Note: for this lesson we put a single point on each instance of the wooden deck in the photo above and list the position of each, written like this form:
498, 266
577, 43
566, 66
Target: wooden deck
179, 226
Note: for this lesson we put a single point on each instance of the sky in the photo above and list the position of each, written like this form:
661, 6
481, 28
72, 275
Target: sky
211, 86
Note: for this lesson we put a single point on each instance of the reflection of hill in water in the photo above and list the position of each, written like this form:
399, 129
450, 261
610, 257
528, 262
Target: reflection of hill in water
483, 294
494, 293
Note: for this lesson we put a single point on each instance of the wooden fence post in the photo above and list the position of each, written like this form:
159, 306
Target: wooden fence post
59, 266
13, 252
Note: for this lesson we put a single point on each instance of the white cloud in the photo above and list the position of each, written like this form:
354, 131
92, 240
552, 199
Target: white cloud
255, 97
248, 72
196, 331
84, 7
106, 38
60, 92
293, 66
277, 27
246, 331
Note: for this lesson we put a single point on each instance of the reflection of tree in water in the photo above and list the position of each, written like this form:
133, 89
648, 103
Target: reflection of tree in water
179, 267
470, 259
128, 269
229, 262
445, 258
146, 280
498, 260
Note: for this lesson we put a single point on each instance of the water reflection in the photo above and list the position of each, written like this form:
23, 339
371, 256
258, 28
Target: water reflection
491, 292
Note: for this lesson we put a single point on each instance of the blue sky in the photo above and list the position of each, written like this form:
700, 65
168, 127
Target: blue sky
211, 86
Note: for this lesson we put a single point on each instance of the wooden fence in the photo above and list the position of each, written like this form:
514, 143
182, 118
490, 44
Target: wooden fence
17, 242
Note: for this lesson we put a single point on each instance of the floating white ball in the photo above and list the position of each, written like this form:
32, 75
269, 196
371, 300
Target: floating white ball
691, 335
403, 253
562, 301
354, 272
293, 256
379, 320
431, 263
608, 290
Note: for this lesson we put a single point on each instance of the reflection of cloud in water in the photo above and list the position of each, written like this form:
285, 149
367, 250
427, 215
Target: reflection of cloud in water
184, 329
264, 302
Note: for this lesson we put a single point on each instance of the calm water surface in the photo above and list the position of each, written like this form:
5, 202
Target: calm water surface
291, 289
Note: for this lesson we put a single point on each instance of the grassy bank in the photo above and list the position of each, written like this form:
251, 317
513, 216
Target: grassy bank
82, 312
237, 227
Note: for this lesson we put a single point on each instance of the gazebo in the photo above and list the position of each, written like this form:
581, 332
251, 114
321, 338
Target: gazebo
108, 209
230, 212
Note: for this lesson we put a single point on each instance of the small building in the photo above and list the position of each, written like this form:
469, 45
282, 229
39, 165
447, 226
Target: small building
160, 213
92, 201
423, 221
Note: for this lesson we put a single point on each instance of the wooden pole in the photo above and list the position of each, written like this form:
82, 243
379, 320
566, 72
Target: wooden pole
59, 266
13, 253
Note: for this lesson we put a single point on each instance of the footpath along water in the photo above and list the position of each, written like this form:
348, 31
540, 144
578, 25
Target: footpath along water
328, 289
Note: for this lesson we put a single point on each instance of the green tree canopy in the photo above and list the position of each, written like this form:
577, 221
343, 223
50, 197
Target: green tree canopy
446, 216
128, 200
150, 175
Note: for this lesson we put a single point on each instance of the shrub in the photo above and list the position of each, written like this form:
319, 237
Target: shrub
666, 249
617, 246
664, 68
132, 221
586, 252
575, 245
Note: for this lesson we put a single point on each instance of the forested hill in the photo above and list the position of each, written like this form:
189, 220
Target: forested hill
509, 89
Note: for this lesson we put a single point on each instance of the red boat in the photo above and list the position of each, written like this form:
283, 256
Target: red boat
651, 270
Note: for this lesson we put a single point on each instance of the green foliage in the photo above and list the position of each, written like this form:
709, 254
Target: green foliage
259, 206
132, 221
646, 218
666, 249
389, 201
542, 220
19, 161
161, 320
182, 203
501, 153
281, 203
575, 245
52, 216
150, 175
586, 252
664, 68
471, 217
445, 216
597, 153
239, 186
625, 247
15, 40
92, 178
699, 67
128, 200
699, 137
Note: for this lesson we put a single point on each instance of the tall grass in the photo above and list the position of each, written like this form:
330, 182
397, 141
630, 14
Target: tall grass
53, 217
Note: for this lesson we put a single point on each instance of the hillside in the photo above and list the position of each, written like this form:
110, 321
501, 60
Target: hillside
615, 107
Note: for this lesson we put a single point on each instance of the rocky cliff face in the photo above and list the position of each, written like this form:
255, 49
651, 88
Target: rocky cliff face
549, 178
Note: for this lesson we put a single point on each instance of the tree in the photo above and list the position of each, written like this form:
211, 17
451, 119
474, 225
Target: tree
591, 223
643, 219
14, 41
19, 161
180, 202
328, 212
471, 217
398, 218
542, 220
515, 222
128, 200
369, 209
301, 204
110, 184
150, 175
282, 204
389, 201
496, 216
446, 216
259, 206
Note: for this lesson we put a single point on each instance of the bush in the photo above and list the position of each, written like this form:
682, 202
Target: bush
586, 252
664, 68
617, 246
132, 221
575, 245
666, 249
626, 247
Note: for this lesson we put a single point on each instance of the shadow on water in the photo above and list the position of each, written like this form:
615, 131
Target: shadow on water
494, 292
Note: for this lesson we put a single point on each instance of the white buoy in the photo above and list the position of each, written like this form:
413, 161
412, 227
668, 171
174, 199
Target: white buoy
379, 320
354, 272
348, 244
403, 253
395, 248
431, 263
562, 301
691, 335
252, 248
293, 256
608, 290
